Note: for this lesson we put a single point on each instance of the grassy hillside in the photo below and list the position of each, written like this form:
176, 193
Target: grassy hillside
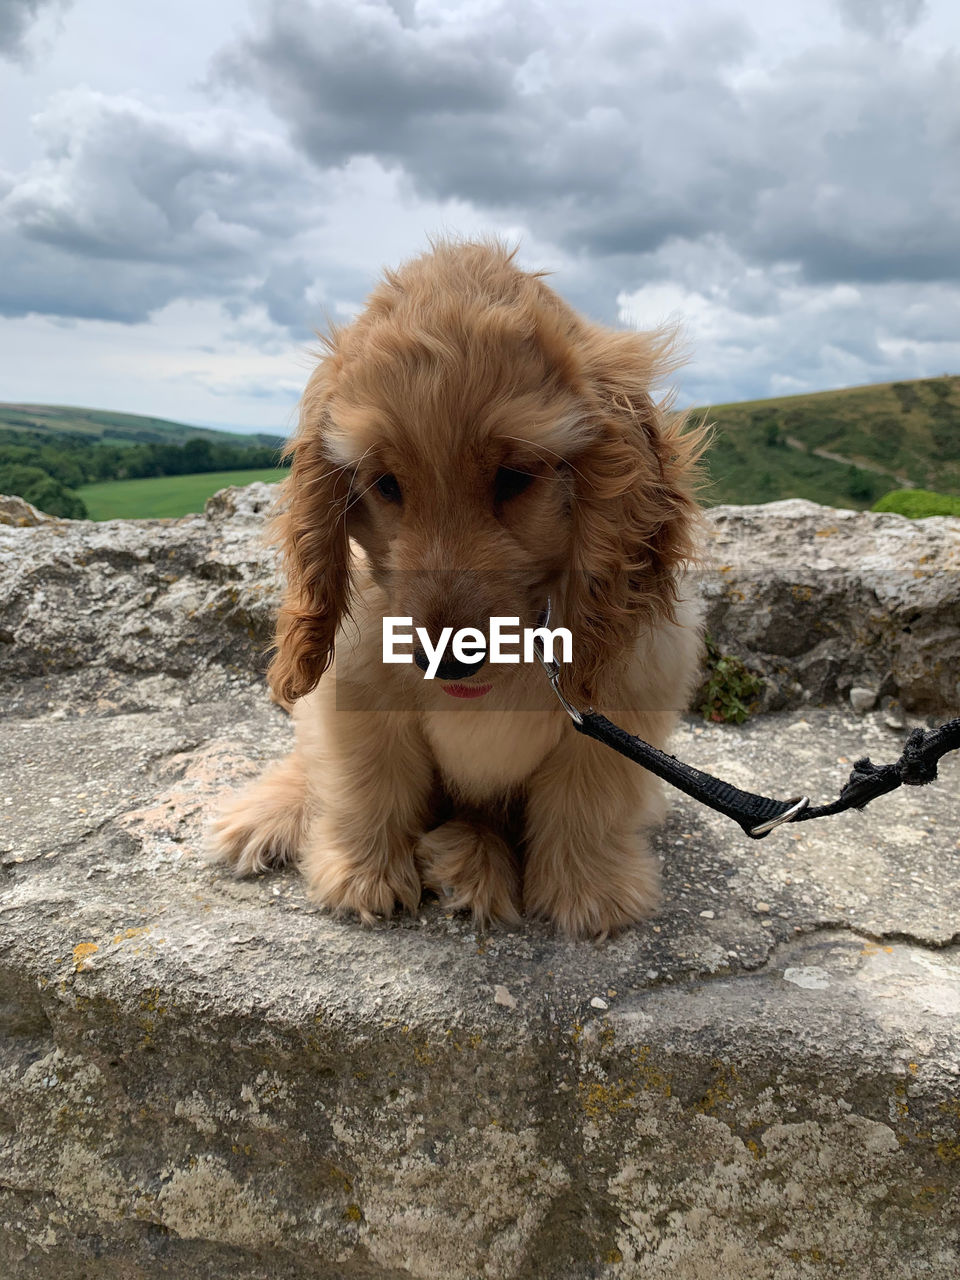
163, 495
845, 448
117, 428
842, 448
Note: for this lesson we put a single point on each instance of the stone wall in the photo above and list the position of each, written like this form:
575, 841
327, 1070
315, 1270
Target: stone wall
817, 600
822, 601
202, 1077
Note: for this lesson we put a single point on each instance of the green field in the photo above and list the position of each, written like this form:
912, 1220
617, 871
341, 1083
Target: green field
164, 495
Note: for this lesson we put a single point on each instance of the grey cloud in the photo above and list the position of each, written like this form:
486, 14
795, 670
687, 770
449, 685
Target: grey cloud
301, 297
121, 181
517, 109
752, 333
881, 18
357, 79
131, 208
621, 154
872, 190
610, 139
53, 282
16, 19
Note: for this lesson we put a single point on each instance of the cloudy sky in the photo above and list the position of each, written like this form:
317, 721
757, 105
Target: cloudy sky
189, 189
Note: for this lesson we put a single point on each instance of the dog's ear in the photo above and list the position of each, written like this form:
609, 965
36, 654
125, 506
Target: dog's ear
635, 515
311, 530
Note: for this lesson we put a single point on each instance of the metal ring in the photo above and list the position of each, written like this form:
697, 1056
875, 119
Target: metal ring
575, 715
552, 668
797, 805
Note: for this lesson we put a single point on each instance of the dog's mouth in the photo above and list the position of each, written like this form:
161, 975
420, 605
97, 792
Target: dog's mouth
456, 690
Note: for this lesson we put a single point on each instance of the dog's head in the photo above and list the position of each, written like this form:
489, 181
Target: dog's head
487, 447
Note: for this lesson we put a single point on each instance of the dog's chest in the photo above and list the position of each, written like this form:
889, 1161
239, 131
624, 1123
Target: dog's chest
484, 755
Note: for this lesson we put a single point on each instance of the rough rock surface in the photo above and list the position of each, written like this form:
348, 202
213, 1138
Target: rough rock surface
201, 1077
821, 600
120, 613
817, 600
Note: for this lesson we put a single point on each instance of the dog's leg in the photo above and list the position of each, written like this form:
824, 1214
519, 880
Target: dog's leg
472, 869
588, 866
377, 775
263, 825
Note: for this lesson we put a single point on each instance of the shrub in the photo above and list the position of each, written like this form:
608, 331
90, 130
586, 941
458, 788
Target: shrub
730, 690
918, 503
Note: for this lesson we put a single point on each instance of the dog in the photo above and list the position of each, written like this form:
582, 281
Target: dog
470, 447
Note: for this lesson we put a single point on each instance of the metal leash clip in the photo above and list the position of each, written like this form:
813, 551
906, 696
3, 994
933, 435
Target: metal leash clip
552, 668
797, 805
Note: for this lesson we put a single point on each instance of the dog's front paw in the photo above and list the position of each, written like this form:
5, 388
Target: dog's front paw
232, 839
370, 886
472, 869
248, 840
264, 824
593, 897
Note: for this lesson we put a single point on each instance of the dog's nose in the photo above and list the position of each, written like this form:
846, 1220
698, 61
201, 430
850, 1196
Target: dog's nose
449, 668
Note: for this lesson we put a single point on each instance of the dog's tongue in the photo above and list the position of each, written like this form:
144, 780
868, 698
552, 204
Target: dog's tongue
466, 690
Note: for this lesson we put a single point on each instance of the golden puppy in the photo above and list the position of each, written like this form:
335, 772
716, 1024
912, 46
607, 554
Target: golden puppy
487, 449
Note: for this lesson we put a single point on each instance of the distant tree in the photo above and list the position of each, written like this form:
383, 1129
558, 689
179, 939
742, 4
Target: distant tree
29, 459
50, 495
861, 485
44, 491
198, 455
907, 395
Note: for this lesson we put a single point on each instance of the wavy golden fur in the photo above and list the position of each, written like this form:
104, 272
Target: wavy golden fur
467, 447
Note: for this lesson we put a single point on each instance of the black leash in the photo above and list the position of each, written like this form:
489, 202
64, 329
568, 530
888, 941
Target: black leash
758, 815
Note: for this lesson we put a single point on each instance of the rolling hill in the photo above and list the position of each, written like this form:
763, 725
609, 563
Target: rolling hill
844, 448
100, 425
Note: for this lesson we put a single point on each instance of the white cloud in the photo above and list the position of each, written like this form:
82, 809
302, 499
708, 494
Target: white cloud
611, 137
194, 365
802, 336
783, 179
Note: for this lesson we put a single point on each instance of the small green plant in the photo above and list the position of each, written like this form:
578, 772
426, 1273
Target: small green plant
729, 693
918, 503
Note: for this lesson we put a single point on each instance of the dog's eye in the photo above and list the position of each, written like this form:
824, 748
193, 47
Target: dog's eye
510, 484
389, 487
